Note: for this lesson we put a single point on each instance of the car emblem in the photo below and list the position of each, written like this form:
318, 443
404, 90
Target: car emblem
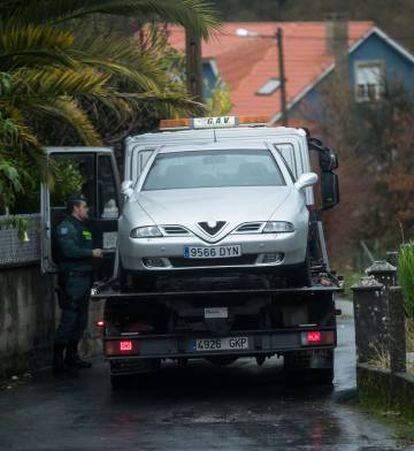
212, 227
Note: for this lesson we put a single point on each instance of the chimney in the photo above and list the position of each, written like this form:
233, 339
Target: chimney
336, 25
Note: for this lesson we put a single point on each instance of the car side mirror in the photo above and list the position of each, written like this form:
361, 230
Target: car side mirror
330, 189
305, 180
126, 188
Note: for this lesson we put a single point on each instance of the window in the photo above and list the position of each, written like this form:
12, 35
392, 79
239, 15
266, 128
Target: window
212, 169
269, 87
369, 80
107, 189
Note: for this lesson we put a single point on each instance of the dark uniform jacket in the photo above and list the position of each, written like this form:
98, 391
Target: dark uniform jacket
75, 245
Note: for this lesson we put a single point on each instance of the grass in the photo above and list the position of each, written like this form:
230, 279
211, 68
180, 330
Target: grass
402, 424
406, 276
409, 332
351, 277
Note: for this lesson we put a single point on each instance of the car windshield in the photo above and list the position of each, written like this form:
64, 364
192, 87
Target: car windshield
213, 168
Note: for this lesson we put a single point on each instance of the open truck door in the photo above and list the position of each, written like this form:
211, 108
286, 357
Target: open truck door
92, 172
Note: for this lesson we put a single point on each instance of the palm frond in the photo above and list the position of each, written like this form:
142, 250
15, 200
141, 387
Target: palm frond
30, 85
69, 112
29, 45
196, 15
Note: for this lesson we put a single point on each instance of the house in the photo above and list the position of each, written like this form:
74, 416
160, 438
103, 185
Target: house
244, 56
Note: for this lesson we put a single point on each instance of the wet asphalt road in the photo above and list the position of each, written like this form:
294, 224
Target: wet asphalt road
201, 407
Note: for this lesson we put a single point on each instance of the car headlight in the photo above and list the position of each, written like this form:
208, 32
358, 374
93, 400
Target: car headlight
278, 227
146, 232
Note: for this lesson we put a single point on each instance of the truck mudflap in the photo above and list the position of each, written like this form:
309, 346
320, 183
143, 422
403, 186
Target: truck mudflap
240, 344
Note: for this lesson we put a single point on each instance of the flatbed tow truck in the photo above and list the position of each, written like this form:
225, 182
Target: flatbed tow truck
140, 330
214, 317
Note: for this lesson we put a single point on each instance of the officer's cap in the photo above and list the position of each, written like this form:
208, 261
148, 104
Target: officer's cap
74, 200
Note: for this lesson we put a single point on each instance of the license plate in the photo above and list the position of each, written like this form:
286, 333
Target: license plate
213, 251
216, 312
221, 344
109, 240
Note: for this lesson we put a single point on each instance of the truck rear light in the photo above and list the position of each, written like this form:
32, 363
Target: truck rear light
121, 347
317, 337
125, 346
100, 323
314, 337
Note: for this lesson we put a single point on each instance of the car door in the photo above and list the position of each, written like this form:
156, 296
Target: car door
92, 172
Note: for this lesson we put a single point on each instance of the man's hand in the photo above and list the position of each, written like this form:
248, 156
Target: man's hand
97, 253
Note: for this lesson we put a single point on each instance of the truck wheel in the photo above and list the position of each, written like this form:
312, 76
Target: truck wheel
222, 360
299, 367
121, 382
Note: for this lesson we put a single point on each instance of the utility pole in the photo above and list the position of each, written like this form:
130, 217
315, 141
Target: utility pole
283, 102
194, 65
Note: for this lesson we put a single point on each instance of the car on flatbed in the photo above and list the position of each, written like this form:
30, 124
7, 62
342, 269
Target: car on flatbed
220, 207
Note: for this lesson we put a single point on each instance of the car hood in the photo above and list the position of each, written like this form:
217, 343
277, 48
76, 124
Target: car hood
234, 205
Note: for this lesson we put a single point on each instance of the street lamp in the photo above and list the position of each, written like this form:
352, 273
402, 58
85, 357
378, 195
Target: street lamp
278, 36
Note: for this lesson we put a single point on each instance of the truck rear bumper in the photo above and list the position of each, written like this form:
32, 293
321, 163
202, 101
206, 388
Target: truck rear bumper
240, 344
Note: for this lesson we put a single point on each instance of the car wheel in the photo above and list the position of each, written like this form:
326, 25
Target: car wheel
302, 276
143, 283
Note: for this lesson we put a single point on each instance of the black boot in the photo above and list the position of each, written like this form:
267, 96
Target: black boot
58, 362
72, 358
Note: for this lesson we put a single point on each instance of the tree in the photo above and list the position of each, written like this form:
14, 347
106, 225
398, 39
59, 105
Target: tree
55, 76
374, 140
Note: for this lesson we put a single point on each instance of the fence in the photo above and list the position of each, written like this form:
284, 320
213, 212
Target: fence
380, 332
13, 250
28, 309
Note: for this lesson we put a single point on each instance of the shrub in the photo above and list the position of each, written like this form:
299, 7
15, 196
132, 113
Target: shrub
406, 276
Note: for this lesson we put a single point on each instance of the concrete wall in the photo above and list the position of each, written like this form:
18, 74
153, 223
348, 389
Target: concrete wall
378, 386
28, 318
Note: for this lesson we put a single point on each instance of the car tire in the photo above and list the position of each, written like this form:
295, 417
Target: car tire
143, 283
302, 275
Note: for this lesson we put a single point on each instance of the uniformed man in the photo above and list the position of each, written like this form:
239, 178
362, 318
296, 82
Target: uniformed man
76, 254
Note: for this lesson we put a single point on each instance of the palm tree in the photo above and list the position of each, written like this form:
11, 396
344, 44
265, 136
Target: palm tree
52, 73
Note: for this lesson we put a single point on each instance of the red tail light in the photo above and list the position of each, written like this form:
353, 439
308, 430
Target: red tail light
125, 346
121, 347
100, 323
317, 337
314, 337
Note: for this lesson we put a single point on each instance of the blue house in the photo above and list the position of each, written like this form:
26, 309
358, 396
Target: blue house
244, 55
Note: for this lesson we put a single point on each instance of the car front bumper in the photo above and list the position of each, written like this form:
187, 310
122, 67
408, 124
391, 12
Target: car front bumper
255, 250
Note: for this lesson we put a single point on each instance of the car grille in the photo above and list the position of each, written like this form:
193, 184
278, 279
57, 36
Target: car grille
174, 230
251, 227
179, 262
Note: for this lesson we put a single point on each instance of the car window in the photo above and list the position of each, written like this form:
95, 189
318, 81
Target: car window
213, 168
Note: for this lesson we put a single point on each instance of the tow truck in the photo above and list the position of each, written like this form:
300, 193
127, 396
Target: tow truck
210, 317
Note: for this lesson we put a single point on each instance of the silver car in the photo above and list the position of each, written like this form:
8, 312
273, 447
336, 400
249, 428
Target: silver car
219, 207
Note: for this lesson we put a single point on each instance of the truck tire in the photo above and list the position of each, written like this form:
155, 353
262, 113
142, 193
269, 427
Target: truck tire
297, 367
119, 382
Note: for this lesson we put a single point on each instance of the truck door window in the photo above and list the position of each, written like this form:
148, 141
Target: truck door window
75, 174
108, 207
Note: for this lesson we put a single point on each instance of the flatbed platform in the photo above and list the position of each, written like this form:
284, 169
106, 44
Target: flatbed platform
112, 294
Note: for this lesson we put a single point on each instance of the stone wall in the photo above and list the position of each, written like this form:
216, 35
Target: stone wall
28, 318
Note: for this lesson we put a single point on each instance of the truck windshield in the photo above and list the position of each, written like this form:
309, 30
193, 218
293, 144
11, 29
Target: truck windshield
213, 168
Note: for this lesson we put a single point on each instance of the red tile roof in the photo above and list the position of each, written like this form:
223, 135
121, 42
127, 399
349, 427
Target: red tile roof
247, 63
